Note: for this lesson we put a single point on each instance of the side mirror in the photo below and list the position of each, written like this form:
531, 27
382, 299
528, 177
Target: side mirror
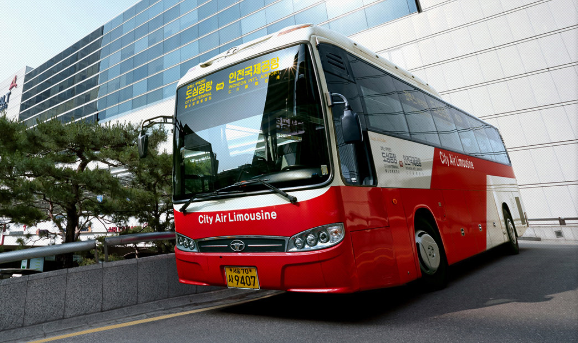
350, 126
143, 144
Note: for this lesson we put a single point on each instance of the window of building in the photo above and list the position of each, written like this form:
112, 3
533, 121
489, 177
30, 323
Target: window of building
314, 15
349, 24
229, 15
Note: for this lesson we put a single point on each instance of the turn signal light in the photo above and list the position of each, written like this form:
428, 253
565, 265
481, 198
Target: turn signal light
294, 28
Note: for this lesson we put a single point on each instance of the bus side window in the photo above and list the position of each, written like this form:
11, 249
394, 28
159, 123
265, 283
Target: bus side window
482, 139
381, 99
416, 109
497, 144
447, 130
466, 133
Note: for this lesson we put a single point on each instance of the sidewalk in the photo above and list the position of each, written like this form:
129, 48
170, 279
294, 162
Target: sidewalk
558, 233
131, 313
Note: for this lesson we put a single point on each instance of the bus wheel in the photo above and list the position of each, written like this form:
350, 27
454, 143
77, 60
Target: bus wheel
431, 255
512, 244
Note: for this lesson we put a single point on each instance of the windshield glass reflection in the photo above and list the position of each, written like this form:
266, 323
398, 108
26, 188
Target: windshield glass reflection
260, 118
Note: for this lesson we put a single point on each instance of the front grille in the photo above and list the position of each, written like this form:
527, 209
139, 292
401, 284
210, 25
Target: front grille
223, 245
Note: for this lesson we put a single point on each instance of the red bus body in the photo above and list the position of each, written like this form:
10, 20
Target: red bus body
464, 195
379, 247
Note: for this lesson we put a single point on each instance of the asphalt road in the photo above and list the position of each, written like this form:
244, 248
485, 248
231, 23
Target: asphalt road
531, 297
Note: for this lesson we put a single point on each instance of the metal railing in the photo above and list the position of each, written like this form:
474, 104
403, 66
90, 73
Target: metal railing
560, 220
136, 238
25, 254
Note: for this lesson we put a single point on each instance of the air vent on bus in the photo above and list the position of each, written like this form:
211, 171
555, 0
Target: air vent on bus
336, 61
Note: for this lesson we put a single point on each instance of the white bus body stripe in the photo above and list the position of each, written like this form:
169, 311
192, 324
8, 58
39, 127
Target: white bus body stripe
400, 163
250, 201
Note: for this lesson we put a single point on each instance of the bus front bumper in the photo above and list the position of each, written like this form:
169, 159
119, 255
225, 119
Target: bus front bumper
330, 270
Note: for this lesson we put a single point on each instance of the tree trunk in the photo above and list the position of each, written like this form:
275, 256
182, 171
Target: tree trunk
70, 235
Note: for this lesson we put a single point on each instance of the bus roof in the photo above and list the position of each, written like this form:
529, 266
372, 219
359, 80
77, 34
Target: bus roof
298, 34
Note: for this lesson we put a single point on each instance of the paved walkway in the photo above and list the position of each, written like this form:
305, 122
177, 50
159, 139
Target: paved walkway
558, 233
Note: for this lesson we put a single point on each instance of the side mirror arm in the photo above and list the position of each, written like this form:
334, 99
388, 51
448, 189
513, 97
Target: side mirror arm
350, 125
143, 138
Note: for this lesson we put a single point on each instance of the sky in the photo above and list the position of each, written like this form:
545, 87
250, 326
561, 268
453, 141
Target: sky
33, 31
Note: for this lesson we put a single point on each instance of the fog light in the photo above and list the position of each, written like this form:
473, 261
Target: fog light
311, 240
299, 243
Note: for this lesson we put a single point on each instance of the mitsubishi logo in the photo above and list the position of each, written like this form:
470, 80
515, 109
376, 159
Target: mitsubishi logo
237, 245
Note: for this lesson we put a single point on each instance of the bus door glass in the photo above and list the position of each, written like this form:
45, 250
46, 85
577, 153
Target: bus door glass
355, 159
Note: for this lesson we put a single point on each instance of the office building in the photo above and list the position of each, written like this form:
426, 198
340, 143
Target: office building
513, 63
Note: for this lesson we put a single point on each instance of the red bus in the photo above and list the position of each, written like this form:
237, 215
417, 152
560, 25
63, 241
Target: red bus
305, 162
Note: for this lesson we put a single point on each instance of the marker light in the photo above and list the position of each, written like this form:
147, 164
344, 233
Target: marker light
294, 28
320, 237
185, 243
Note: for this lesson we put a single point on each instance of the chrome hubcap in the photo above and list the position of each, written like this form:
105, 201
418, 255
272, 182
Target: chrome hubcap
429, 252
512, 231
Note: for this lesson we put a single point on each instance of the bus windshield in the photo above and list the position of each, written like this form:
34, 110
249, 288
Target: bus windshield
259, 119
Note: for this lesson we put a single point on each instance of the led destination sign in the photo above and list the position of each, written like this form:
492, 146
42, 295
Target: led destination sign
243, 77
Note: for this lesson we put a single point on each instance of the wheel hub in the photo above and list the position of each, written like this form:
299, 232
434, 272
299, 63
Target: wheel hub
429, 252
512, 232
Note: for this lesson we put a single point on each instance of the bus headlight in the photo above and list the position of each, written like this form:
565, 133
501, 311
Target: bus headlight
185, 243
320, 237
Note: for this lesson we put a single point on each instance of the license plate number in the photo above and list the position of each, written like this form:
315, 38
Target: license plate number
242, 277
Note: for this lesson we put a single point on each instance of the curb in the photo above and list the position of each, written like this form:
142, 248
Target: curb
130, 313
529, 238
557, 233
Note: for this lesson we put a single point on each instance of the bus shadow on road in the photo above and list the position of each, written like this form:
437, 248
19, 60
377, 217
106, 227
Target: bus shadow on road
491, 278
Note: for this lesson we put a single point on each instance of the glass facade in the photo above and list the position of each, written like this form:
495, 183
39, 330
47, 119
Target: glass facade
137, 58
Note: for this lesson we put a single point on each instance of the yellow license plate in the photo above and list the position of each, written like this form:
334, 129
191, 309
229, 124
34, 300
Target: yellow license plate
242, 277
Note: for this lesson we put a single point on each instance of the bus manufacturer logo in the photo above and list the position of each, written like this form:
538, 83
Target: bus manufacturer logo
237, 245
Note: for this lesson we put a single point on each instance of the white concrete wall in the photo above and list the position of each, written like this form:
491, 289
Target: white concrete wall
513, 63
15, 93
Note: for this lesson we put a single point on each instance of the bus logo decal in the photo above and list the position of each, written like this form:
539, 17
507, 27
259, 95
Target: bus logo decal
455, 161
237, 245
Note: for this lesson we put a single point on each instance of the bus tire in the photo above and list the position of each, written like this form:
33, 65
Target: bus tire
431, 255
512, 245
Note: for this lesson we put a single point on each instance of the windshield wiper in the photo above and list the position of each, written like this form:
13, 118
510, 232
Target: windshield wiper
292, 199
219, 191
208, 195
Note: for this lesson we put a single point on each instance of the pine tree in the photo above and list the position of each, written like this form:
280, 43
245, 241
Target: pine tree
149, 185
55, 172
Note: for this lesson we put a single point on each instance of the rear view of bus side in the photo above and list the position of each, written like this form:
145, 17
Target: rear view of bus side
305, 162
